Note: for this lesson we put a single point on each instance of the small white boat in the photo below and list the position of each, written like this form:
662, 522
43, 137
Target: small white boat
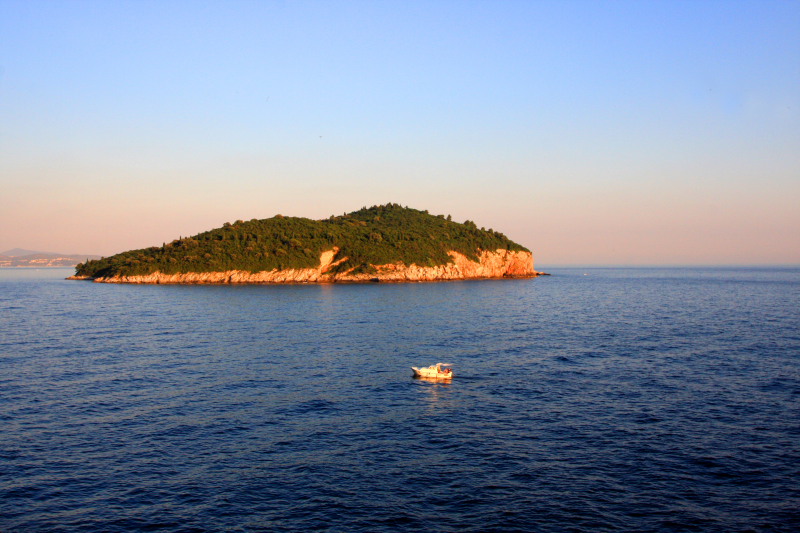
434, 371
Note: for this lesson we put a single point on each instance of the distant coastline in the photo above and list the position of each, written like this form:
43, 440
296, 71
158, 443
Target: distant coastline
20, 258
24, 267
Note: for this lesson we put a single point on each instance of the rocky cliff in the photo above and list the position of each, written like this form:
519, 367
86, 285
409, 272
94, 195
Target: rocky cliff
497, 264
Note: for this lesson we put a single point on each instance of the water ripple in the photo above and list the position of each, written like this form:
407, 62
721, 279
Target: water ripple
636, 400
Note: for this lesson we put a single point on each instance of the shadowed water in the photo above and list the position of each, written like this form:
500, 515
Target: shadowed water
592, 400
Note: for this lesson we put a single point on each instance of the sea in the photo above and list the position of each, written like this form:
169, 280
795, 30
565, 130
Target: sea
591, 400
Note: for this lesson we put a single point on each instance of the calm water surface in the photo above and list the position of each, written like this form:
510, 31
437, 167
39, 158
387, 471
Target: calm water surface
592, 400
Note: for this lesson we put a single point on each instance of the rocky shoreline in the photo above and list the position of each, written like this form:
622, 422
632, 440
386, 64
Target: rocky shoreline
490, 265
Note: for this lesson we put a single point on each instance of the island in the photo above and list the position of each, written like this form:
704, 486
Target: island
376, 244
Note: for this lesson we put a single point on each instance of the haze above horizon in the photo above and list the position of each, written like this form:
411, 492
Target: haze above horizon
642, 133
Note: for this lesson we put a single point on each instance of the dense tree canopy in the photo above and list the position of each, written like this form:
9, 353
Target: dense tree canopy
372, 236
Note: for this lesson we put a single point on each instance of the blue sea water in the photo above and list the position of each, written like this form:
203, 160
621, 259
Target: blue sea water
600, 399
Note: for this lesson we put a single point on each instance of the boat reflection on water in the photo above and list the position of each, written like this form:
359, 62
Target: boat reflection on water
437, 397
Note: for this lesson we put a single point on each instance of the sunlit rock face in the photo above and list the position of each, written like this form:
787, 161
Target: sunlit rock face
496, 264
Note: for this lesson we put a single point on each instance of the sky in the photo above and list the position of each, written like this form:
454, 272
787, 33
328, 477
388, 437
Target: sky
594, 133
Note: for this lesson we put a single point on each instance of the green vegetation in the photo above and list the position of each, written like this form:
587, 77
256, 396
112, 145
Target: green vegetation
372, 236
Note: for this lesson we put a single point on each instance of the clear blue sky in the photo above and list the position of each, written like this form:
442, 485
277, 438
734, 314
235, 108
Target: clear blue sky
592, 132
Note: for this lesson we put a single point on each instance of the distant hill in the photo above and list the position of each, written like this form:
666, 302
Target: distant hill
17, 252
19, 257
359, 241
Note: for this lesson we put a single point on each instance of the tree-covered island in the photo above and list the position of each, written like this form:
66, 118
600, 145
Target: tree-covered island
357, 244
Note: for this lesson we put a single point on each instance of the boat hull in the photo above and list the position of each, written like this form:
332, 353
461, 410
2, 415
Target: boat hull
431, 372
